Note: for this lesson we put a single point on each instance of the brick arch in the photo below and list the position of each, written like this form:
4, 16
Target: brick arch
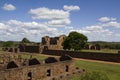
12, 64
33, 61
65, 57
51, 60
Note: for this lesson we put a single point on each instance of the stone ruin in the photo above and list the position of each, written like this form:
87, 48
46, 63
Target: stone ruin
93, 47
53, 42
17, 68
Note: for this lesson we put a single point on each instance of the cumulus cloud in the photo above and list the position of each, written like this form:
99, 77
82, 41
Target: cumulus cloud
71, 8
106, 19
33, 30
3, 26
59, 22
30, 25
45, 13
55, 17
112, 24
102, 32
9, 7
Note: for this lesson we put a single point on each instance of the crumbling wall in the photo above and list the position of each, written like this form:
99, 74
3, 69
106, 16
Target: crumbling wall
86, 55
44, 71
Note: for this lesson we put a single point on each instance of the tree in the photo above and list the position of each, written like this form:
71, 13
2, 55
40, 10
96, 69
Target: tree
25, 40
75, 41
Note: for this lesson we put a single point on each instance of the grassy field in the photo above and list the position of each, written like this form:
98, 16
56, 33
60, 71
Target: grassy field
111, 70
115, 51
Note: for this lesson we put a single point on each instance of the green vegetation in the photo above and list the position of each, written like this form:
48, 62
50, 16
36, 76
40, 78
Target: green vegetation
25, 40
110, 70
75, 41
107, 45
92, 76
114, 51
9, 44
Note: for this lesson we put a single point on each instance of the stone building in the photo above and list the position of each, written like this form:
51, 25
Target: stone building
53, 42
33, 69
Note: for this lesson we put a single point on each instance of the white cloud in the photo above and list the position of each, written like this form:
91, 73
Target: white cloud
3, 26
60, 22
49, 14
9, 7
101, 32
55, 17
106, 19
15, 30
71, 8
112, 24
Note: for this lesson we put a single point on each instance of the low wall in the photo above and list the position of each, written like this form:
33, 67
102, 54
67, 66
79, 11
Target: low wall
86, 55
32, 49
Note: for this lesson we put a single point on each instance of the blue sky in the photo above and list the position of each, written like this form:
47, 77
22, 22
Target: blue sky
99, 20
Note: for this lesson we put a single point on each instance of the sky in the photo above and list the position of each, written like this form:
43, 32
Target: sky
99, 20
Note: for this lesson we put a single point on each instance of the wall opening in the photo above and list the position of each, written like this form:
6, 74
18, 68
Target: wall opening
29, 76
48, 72
33, 61
67, 68
65, 57
50, 60
12, 64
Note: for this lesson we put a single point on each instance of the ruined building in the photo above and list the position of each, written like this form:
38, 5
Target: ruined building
51, 68
53, 42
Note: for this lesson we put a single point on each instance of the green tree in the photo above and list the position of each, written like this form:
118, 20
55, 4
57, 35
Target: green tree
25, 40
66, 44
75, 41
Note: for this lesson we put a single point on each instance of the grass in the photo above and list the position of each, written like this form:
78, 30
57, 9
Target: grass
115, 51
111, 70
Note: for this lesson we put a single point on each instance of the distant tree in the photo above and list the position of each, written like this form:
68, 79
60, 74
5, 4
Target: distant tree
8, 44
25, 40
98, 47
75, 41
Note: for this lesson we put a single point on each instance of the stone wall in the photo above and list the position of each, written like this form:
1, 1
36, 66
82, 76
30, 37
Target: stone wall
51, 71
86, 55
29, 48
11, 49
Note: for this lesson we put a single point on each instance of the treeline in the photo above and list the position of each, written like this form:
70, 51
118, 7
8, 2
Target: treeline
9, 43
108, 45
15, 43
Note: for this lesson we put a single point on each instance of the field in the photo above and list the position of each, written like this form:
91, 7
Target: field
114, 51
111, 70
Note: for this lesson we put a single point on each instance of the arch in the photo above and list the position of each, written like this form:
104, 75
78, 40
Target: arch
65, 57
33, 61
50, 60
12, 64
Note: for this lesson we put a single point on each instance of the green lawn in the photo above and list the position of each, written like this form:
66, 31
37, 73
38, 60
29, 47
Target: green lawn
103, 51
111, 70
